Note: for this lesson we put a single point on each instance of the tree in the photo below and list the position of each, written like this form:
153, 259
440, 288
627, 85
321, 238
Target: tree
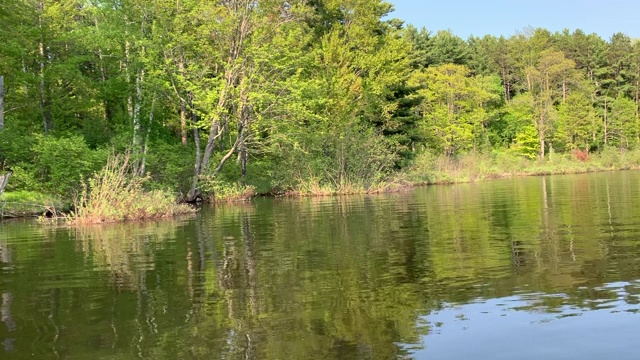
420, 44
447, 48
455, 107
549, 82
577, 122
500, 62
622, 128
517, 130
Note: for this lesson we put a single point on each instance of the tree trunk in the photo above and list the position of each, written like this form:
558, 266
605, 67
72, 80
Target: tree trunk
106, 116
137, 136
1, 102
45, 102
605, 120
145, 145
541, 134
193, 191
222, 113
183, 108
4, 180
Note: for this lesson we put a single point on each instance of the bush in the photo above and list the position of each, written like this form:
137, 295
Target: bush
170, 166
348, 158
225, 191
609, 157
61, 164
114, 194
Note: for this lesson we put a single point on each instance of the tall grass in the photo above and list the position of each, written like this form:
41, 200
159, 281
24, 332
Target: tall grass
439, 169
115, 194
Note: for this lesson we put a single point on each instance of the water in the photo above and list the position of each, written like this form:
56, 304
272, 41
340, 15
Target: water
529, 268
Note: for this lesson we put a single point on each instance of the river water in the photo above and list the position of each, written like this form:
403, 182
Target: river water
527, 268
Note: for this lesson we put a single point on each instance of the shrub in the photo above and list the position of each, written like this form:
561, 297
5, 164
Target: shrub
114, 194
580, 155
61, 164
225, 191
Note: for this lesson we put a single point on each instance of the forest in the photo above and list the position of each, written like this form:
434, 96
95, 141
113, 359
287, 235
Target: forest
234, 97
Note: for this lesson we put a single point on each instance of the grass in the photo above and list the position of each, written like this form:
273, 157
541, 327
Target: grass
27, 204
114, 194
314, 187
430, 169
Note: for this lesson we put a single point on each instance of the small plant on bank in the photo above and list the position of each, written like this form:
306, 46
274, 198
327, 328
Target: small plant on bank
581, 155
225, 191
116, 194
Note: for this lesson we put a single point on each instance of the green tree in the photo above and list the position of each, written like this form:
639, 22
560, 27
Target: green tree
577, 122
455, 107
447, 48
549, 82
622, 127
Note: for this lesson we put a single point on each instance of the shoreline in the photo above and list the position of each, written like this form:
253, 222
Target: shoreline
400, 184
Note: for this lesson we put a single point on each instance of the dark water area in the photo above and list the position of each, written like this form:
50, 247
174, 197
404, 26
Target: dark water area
528, 268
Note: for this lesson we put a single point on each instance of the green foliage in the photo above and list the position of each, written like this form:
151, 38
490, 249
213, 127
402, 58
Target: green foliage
455, 109
27, 203
62, 163
576, 122
447, 48
341, 160
526, 142
223, 191
169, 166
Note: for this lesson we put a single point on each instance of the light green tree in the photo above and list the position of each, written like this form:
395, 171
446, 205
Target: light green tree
549, 82
455, 107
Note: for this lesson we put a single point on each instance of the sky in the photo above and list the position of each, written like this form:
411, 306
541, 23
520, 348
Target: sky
502, 17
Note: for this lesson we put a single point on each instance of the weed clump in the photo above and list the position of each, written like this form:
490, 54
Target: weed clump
116, 194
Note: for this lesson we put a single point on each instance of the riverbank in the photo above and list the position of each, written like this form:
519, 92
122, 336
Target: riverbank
427, 169
23, 204
430, 170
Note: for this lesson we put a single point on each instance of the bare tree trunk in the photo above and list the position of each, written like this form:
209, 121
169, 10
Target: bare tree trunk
243, 160
106, 116
230, 152
137, 139
245, 120
183, 108
1, 102
128, 78
145, 145
541, 135
244, 116
196, 173
605, 120
637, 99
4, 180
45, 102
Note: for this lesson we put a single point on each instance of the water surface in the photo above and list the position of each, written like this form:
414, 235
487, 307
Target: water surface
539, 267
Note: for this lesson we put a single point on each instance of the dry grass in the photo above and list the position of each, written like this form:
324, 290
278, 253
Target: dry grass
114, 194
